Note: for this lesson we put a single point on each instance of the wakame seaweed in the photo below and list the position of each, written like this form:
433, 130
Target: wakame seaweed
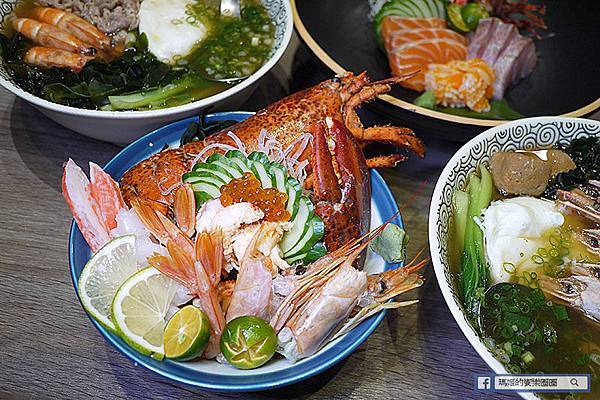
137, 69
198, 130
585, 153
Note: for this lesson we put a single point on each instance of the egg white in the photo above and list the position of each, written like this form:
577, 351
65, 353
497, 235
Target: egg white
514, 229
170, 33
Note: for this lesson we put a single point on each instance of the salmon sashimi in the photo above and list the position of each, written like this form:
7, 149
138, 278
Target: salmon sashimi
414, 57
391, 24
401, 37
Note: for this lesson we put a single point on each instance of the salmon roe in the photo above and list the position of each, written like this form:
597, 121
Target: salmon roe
248, 189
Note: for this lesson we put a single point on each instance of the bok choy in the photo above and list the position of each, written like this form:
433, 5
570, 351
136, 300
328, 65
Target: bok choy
468, 206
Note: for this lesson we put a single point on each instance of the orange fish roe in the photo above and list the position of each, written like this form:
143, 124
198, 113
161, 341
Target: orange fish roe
461, 83
248, 189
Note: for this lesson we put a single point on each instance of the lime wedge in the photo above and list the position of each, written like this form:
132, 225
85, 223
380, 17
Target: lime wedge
140, 309
103, 275
186, 334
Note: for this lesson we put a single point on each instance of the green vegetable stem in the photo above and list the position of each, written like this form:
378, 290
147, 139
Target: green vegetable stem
467, 207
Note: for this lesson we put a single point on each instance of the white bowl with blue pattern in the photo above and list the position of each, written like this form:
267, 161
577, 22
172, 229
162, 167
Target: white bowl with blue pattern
525, 134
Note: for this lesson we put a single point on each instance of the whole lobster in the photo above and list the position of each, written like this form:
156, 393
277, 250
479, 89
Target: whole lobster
338, 170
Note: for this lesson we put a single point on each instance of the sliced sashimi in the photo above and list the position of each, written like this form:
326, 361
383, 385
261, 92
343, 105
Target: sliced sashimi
515, 62
416, 56
501, 38
402, 37
392, 24
511, 55
479, 39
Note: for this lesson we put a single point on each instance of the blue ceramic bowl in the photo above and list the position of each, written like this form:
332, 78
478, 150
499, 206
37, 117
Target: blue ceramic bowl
209, 374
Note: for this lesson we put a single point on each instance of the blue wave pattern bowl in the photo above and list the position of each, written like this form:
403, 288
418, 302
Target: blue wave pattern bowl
209, 374
524, 134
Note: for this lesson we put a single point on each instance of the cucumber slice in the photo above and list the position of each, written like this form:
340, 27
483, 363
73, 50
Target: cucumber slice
215, 157
211, 190
278, 174
294, 192
213, 169
311, 236
204, 176
260, 171
231, 169
238, 159
190, 177
300, 225
312, 255
201, 198
422, 7
260, 157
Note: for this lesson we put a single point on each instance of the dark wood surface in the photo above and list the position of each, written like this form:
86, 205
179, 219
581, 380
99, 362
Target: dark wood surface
50, 350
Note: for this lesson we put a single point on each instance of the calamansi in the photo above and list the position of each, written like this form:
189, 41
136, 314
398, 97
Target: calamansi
248, 342
186, 334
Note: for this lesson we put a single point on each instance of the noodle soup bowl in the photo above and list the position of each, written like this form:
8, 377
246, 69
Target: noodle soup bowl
525, 134
123, 127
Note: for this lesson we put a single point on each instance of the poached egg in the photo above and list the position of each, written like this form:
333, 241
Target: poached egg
514, 229
171, 30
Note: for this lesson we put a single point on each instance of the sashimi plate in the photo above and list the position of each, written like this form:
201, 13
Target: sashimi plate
564, 82
209, 374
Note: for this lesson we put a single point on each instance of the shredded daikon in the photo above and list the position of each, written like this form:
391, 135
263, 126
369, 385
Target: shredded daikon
200, 156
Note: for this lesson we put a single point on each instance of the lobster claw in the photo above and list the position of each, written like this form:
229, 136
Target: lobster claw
341, 183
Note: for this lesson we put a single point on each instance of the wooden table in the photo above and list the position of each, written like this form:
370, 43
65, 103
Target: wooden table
51, 351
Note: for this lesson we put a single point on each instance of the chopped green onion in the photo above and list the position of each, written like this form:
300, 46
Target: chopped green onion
560, 312
527, 357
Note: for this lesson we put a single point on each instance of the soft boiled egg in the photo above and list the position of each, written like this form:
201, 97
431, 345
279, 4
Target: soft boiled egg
172, 33
514, 229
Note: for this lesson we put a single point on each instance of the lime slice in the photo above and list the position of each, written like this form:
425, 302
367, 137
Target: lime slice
455, 18
140, 308
186, 334
103, 275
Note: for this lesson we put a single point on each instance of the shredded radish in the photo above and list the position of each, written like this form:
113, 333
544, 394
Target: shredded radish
200, 156
240, 145
167, 191
301, 143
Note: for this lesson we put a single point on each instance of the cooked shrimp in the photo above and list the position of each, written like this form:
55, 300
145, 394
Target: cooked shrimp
329, 292
50, 36
581, 290
94, 205
76, 26
196, 276
254, 285
197, 265
185, 209
47, 57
